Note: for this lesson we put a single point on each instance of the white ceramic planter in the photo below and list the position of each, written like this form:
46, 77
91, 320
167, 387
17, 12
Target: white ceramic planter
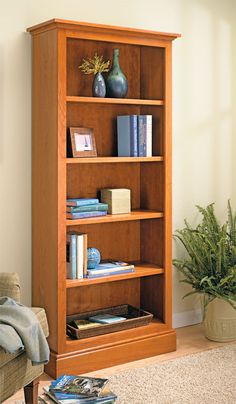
220, 321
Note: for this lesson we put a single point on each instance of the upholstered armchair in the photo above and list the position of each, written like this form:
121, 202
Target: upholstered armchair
16, 371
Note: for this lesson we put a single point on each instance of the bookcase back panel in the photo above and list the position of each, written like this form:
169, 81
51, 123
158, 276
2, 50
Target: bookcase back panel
80, 84
103, 121
86, 180
151, 292
117, 241
152, 70
152, 186
152, 241
80, 300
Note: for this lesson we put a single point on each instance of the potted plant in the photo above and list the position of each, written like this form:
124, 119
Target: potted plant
210, 268
96, 66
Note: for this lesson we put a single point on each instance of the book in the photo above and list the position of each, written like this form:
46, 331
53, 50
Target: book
79, 256
71, 256
80, 215
114, 272
105, 268
106, 318
81, 386
83, 324
87, 208
81, 201
63, 398
127, 135
145, 135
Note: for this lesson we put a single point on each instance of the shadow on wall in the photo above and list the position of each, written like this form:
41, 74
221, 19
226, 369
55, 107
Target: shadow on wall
204, 112
204, 118
1, 102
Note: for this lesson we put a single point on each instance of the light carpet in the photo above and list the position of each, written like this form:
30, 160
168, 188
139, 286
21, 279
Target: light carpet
207, 377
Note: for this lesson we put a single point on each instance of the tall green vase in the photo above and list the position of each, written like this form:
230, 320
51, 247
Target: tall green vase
116, 84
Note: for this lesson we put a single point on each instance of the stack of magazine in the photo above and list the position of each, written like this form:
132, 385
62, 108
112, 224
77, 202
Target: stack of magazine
78, 390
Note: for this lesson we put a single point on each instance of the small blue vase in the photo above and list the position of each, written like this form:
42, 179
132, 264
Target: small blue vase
116, 83
93, 257
99, 86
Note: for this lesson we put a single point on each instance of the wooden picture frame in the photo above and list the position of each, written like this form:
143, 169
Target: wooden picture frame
82, 142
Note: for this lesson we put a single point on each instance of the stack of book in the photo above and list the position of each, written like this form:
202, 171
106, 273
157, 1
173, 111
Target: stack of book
76, 255
109, 268
79, 390
77, 208
134, 135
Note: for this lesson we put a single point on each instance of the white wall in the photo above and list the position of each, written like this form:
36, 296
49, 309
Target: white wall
204, 106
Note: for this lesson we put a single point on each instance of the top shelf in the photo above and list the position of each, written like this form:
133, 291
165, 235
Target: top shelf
124, 101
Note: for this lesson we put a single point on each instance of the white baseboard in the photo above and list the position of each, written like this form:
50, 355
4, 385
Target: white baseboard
187, 318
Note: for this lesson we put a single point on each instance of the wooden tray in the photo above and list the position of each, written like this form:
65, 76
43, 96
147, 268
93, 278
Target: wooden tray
135, 318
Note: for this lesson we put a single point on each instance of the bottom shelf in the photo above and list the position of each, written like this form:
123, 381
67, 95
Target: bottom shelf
87, 355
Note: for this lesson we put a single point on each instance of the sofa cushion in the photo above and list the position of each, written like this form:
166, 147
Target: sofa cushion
10, 285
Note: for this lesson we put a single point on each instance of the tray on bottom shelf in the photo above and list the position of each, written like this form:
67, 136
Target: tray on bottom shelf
134, 318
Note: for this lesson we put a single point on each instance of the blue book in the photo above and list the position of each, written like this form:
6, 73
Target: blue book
81, 201
71, 256
101, 274
127, 136
145, 135
108, 267
106, 318
87, 208
80, 215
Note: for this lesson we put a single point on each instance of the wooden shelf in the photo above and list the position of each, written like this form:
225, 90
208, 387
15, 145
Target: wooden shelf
134, 215
141, 270
124, 101
147, 331
102, 160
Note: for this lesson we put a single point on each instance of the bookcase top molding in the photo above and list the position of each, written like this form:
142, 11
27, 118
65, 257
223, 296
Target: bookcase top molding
101, 29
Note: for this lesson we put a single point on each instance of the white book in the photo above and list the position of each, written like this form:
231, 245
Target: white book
80, 256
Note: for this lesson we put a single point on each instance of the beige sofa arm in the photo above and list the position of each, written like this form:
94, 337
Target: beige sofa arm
10, 285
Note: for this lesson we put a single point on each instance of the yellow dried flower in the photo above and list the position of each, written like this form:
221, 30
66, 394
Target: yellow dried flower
94, 65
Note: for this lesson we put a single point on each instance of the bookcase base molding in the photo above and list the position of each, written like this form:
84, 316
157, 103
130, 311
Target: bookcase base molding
84, 361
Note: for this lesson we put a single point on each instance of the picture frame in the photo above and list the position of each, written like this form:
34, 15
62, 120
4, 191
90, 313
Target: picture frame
82, 142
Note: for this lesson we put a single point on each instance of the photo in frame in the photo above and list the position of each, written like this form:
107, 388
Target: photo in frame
82, 142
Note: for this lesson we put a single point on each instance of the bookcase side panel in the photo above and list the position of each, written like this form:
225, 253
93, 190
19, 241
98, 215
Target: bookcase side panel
168, 186
45, 285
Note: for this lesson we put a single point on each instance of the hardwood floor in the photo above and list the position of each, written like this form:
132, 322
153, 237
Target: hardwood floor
189, 340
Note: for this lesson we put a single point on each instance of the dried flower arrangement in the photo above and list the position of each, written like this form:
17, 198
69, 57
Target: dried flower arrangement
94, 65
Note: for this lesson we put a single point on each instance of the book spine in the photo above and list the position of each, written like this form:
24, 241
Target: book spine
80, 256
123, 136
87, 208
71, 256
148, 128
133, 136
85, 263
110, 273
81, 202
145, 135
141, 140
79, 215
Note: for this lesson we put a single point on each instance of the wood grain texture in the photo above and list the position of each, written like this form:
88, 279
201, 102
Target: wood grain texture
141, 270
79, 362
126, 101
45, 231
62, 99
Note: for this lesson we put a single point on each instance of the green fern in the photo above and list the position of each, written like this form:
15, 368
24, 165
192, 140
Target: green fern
211, 264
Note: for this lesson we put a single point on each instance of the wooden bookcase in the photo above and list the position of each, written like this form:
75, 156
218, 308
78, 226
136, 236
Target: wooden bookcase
61, 99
